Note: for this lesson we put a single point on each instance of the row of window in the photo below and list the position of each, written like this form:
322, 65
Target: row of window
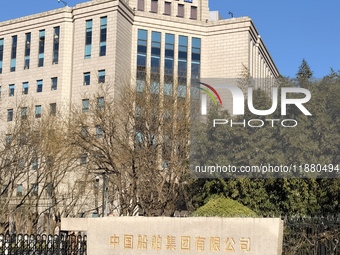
86, 104
56, 39
53, 109
20, 189
24, 112
53, 84
27, 51
167, 8
99, 131
87, 77
25, 87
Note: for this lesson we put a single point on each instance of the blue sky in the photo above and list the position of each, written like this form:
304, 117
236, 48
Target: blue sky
291, 29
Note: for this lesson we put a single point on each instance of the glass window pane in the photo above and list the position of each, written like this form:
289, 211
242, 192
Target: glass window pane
87, 78
142, 34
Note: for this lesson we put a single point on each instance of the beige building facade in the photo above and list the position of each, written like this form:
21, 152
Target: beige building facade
53, 61
59, 56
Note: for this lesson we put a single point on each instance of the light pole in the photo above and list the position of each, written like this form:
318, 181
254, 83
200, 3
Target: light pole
62, 2
104, 194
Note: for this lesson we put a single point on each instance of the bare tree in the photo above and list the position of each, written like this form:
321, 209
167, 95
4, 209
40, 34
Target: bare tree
37, 168
139, 141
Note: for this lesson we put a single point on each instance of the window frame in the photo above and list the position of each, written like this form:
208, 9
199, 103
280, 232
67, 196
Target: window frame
140, 5
180, 10
40, 86
25, 87
53, 109
167, 8
193, 12
85, 105
101, 76
87, 81
11, 91
10, 114
54, 83
154, 6
38, 111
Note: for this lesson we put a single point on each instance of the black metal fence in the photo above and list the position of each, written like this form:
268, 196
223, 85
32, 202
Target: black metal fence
312, 236
62, 244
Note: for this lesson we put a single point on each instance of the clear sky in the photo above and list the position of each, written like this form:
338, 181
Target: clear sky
291, 29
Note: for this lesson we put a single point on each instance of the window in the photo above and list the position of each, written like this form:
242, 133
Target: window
169, 63
182, 65
9, 114
155, 61
88, 38
35, 164
85, 131
180, 10
35, 189
11, 90
101, 76
154, 6
22, 139
1, 53
23, 112
81, 185
21, 164
14, 53
140, 5
86, 105
141, 59
103, 30
53, 109
9, 138
49, 189
193, 12
167, 8
56, 39
100, 103
54, 83
99, 131
39, 86
87, 78
27, 50
19, 190
83, 159
25, 88
195, 60
38, 111
41, 48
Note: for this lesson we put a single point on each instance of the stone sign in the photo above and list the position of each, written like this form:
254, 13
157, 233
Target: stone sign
186, 236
